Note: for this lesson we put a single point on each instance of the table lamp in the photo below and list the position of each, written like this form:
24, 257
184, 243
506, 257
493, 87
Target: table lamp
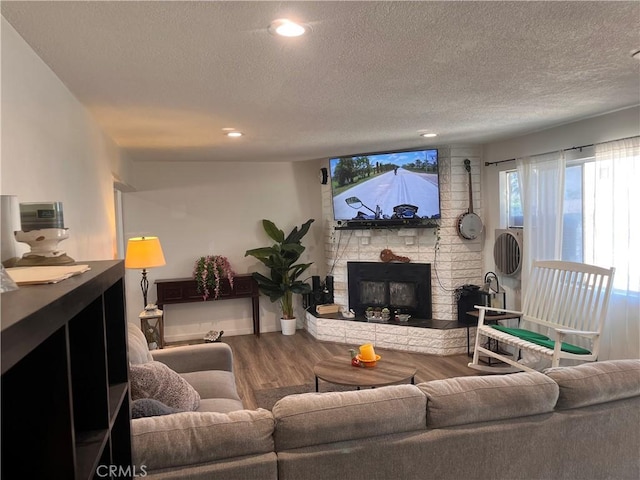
144, 252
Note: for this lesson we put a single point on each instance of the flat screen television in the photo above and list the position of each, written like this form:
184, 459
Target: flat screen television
386, 188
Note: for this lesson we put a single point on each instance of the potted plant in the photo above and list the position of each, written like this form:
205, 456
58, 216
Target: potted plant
209, 271
280, 258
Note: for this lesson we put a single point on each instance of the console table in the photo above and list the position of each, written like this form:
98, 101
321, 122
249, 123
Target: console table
185, 290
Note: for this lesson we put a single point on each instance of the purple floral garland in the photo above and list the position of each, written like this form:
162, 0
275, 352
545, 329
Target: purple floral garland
208, 272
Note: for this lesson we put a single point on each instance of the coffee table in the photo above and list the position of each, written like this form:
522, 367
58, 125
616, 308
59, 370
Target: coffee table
338, 370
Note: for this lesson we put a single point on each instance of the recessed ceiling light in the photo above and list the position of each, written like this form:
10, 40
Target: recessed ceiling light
636, 54
234, 134
428, 135
287, 28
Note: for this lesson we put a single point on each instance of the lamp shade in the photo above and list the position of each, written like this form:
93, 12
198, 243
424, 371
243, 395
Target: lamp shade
144, 252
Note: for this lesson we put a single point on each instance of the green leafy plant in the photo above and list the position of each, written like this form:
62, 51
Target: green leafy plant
280, 258
209, 271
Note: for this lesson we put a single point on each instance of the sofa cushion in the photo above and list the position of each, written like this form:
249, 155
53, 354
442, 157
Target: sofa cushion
137, 344
316, 418
196, 358
150, 407
462, 400
156, 380
195, 438
213, 384
221, 405
599, 382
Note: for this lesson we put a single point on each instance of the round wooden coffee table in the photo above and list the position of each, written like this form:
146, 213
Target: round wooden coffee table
339, 370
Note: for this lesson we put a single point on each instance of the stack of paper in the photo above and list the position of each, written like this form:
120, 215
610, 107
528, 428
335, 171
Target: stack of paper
39, 275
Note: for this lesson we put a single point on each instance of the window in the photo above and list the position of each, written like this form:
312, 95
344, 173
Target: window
573, 217
513, 202
587, 236
576, 206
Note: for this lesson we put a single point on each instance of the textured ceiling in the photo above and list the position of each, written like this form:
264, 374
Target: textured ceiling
164, 78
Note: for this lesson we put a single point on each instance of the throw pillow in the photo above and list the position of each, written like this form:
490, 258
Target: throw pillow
149, 407
156, 380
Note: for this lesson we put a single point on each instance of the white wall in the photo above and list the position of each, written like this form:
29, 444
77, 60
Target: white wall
199, 209
53, 151
602, 128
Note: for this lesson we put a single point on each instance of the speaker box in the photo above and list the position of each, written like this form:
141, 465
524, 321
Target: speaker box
468, 296
328, 289
317, 295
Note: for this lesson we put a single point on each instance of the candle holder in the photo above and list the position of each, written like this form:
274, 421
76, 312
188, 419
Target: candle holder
44, 247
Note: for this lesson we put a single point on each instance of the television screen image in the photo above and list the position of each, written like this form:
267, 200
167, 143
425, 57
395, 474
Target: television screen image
386, 187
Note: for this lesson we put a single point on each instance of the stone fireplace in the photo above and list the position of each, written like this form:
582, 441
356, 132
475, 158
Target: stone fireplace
398, 286
401, 287
453, 261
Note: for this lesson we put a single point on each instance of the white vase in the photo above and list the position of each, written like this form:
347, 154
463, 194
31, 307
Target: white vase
288, 326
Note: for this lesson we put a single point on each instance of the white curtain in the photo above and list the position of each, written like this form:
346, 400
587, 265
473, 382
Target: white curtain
611, 229
612, 238
542, 194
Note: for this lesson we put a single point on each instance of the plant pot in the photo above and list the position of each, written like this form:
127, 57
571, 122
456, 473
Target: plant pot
288, 326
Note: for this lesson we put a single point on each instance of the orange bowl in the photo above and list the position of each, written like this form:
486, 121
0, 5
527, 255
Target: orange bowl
368, 363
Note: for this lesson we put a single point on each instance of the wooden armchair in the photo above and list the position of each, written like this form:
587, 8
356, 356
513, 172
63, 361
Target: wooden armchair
565, 301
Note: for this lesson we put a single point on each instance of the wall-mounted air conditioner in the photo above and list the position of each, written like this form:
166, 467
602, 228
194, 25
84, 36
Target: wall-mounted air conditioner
507, 251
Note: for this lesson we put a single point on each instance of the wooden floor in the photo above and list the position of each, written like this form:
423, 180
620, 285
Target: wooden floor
275, 360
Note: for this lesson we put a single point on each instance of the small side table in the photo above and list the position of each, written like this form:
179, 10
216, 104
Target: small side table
152, 325
488, 320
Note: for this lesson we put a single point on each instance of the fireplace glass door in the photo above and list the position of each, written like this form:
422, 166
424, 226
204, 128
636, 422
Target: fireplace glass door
405, 287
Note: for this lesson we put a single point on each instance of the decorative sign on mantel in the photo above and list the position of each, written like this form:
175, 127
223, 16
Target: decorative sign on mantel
387, 256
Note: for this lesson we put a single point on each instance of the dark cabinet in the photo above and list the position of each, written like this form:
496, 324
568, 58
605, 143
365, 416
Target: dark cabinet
185, 290
65, 390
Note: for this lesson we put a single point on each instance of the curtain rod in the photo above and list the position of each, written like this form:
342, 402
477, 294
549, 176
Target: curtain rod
486, 164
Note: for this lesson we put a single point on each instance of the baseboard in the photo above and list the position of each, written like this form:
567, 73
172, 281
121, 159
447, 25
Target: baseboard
183, 337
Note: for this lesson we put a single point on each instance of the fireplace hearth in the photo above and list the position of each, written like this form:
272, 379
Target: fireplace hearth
401, 287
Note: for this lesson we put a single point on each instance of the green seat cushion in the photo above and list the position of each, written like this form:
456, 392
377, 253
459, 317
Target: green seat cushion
520, 332
542, 340
565, 347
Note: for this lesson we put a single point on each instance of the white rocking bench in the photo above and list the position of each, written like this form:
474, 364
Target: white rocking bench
565, 300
